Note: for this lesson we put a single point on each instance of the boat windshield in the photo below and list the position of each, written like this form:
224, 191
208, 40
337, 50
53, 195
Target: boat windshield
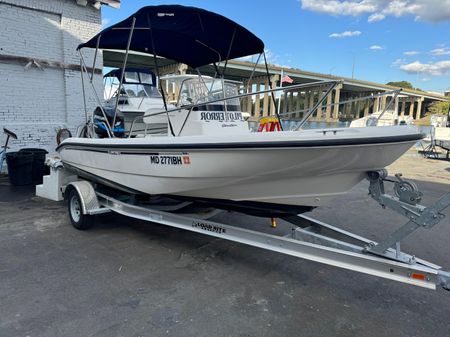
198, 90
138, 90
135, 84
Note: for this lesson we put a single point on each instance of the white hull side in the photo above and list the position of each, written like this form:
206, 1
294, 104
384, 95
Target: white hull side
307, 176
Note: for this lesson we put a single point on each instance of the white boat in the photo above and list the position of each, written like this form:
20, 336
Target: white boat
208, 153
441, 128
442, 134
387, 118
438, 140
138, 94
305, 168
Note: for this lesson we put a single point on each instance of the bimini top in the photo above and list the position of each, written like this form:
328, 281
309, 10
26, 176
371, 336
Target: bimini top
188, 35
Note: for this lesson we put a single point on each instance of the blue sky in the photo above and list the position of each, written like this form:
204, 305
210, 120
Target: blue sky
386, 40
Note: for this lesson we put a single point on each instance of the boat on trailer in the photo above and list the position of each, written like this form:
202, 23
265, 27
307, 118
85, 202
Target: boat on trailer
208, 152
209, 160
296, 170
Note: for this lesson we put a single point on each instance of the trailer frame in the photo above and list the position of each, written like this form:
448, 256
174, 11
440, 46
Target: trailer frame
308, 238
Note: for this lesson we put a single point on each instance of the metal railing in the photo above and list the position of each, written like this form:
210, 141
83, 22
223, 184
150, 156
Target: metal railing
190, 107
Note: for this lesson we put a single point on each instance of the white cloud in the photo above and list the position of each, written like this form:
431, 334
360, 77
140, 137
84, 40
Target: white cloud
399, 8
376, 47
272, 58
440, 51
377, 10
434, 10
105, 22
335, 7
376, 17
434, 69
398, 62
346, 34
410, 53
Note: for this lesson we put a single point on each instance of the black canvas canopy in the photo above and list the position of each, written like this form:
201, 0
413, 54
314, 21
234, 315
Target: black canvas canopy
187, 35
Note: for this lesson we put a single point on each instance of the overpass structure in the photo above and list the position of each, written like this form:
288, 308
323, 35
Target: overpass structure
410, 102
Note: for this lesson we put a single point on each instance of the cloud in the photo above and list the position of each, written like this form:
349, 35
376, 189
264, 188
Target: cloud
335, 7
376, 17
440, 51
398, 62
377, 10
434, 69
399, 8
105, 22
272, 58
376, 47
346, 34
411, 53
434, 10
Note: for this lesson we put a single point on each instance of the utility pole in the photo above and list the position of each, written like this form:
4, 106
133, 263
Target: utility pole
353, 67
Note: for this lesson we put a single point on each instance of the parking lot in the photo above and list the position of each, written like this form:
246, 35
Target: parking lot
130, 278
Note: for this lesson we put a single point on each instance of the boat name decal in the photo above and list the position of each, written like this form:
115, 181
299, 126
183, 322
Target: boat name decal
221, 116
208, 227
170, 159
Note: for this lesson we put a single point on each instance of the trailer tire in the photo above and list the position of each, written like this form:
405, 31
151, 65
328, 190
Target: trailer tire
79, 220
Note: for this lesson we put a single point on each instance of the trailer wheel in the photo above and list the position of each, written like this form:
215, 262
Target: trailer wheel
77, 218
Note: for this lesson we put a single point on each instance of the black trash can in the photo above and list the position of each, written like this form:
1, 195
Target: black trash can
39, 169
20, 167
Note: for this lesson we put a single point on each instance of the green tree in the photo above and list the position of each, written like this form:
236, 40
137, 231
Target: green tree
401, 84
438, 108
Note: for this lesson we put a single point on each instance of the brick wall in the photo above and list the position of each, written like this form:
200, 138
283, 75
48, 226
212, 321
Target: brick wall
35, 102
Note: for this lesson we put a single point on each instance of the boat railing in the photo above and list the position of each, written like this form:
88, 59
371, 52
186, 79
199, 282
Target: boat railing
353, 100
331, 85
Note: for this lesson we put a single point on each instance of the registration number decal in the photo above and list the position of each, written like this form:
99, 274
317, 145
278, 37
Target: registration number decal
172, 159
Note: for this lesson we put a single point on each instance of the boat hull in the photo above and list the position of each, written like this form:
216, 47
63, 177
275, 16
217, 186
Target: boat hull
286, 170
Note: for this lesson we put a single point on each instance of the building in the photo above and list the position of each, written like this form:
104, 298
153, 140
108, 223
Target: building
40, 67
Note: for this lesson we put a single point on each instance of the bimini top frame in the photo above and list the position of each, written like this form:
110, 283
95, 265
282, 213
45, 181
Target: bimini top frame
197, 37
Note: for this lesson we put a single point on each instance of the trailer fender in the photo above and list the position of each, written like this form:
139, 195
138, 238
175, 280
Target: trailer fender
88, 197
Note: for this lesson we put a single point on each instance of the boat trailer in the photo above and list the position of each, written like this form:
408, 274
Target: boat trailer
308, 238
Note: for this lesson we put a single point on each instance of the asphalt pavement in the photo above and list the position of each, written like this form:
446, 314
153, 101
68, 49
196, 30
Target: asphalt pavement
132, 278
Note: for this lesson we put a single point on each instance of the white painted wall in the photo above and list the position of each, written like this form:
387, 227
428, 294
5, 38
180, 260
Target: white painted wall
35, 102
